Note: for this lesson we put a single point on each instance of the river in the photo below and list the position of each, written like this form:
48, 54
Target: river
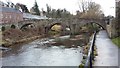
40, 53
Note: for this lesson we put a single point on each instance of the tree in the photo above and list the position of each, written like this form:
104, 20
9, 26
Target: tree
83, 5
90, 10
48, 10
35, 10
10, 4
53, 13
58, 13
23, 7
65, 13
43, 12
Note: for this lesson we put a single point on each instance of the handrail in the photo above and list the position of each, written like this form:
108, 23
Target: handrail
90, 52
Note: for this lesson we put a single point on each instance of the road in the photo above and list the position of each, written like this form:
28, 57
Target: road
38, 53
107, 51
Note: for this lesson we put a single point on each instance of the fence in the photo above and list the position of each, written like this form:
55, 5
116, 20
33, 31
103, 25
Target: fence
90, 56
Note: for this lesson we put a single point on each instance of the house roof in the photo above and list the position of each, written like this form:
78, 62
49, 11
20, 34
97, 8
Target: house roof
7, 9
30, 16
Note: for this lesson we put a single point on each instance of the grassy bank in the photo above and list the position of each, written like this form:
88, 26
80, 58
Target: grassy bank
25, 40
116, 41
11, 36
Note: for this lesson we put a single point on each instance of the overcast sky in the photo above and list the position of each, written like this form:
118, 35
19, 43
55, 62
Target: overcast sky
71, 5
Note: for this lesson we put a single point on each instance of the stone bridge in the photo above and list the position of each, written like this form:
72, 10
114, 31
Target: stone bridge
70, 23
73, 24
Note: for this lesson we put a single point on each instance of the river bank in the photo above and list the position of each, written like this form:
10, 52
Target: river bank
15, 36
25, 40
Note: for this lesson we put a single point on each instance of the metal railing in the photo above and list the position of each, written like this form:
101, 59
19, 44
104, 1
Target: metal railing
90, 56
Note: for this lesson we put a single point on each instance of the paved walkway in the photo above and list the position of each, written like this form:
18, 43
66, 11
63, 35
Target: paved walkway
107, 51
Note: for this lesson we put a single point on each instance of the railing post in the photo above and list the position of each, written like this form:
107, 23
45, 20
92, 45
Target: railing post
93, 51
93, 45
90, 61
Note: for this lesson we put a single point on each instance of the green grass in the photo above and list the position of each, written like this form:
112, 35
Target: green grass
116, 41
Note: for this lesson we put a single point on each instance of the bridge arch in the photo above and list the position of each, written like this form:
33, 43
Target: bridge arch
98, 25
51, 25
26, 25
63, 29
100, 22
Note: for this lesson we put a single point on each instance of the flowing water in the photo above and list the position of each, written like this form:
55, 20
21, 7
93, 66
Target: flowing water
40, 53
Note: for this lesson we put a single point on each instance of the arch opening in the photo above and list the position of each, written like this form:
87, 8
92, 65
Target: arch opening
98, 25
57, 28
26, 25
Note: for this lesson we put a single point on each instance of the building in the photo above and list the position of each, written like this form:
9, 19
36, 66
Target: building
117, 17
9, 14
117, 8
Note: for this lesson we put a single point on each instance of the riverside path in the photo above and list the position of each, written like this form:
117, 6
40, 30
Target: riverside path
107, 51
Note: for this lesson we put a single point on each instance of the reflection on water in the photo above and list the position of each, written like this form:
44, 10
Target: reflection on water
39, 53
